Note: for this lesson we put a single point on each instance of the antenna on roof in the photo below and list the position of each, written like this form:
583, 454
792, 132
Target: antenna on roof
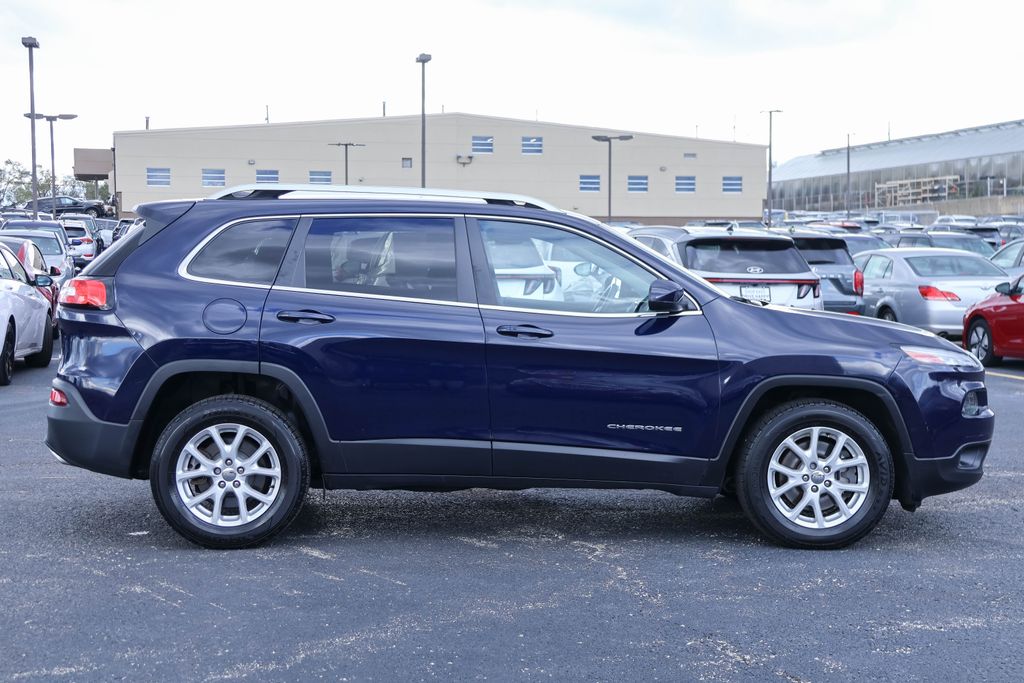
268, 113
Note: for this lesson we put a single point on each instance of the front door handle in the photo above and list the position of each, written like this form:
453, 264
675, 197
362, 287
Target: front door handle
524, 331
305, 317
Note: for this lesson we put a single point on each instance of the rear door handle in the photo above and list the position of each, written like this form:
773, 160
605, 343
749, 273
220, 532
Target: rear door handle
524, 331
305, 317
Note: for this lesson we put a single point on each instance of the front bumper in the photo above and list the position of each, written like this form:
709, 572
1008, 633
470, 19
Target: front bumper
77, 437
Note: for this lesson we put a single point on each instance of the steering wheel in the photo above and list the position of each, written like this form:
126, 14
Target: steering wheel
609, 293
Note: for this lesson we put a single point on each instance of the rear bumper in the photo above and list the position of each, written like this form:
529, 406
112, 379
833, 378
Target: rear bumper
845, 307
77, 437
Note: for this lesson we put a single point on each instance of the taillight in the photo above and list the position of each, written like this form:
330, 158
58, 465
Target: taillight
86, 240
85, 292
935, 294
858, 283
58, 397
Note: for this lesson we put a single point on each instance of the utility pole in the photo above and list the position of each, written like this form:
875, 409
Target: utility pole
609, 139
847, 176
770, 112
32, 44
346, 145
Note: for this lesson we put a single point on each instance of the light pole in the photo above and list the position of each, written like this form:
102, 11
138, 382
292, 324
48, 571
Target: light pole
346, 145
32, 44
770, 112
53, 166
847, 202
422, 60
609, 139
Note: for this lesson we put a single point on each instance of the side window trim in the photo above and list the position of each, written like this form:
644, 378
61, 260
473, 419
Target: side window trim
292, 275
18, 271
488, 297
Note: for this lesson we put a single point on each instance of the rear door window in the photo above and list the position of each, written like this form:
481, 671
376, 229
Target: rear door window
824, 252
248, 252
878, 267
755, 256
388, 256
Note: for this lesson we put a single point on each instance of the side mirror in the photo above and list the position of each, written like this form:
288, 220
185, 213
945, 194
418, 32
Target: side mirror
55, 271
1004, 288
666, 296
44, 281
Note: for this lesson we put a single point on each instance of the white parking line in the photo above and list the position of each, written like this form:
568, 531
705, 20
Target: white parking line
1003, 374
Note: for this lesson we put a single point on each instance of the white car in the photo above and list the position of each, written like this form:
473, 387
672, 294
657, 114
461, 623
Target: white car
25, 328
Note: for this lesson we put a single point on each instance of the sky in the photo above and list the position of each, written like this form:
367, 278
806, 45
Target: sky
678, 67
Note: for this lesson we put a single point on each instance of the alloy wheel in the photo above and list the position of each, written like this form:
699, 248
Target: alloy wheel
818, 477
228, 475
978, 342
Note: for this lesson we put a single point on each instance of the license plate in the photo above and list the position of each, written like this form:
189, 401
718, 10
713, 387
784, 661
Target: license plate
756, 293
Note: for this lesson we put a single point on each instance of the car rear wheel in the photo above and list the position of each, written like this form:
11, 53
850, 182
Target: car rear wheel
814, 474
7, 357
887, 314
229, 472
93, 212
42, 358
979, 342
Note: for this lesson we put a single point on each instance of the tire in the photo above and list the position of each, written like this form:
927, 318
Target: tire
979, 343
41, 359
887, 314
792, 519
93, 212
7, 357
190, 507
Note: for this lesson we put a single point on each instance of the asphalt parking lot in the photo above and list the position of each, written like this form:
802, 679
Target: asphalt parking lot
560, 584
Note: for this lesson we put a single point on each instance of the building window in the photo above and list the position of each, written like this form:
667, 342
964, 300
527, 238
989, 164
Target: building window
483, 144
732, 183
264, 175
213, 177
320, 177
158, 177
406, 162
686, 183
636, 183
590, 183
689, 155
533, 145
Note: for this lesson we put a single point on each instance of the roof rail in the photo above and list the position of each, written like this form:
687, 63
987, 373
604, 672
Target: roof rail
301, 191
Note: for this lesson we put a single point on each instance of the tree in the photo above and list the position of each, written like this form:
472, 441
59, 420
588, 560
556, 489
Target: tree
13, 177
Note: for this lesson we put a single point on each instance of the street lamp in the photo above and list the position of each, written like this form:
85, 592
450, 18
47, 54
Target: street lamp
32, 44
770, 112
53, 165
346, 145
847, 202
423, 59
609, 139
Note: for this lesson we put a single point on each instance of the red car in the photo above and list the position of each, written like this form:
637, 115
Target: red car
32, 259
994, 327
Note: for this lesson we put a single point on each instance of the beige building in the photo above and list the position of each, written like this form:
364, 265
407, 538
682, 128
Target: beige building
655, 178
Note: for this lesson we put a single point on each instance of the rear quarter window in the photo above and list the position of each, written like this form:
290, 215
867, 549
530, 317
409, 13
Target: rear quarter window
248, 252
744, 256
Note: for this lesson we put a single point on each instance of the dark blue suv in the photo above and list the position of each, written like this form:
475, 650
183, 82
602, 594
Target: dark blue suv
237, 350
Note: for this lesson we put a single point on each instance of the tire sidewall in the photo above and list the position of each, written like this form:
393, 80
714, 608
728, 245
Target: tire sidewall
7, 357
290, 452
880, 468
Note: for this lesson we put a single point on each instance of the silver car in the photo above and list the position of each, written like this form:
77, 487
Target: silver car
927, 288
59, 262
1010, 258
752, 264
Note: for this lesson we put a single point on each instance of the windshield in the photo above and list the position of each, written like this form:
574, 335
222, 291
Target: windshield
48, 245
823, 252
752, 256
950, 265
965, 243
856, 245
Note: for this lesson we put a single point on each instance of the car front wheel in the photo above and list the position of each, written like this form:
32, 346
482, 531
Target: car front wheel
814, 473
229, 472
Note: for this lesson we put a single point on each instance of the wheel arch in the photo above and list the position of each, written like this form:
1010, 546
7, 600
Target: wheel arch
865, 396
178, 384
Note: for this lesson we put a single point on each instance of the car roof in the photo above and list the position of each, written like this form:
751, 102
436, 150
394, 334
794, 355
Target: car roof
906, 252
26, 223
27, 233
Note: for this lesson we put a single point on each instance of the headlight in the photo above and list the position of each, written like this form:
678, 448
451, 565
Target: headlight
948, 357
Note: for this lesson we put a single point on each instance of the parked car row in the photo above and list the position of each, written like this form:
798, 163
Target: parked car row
26, 311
